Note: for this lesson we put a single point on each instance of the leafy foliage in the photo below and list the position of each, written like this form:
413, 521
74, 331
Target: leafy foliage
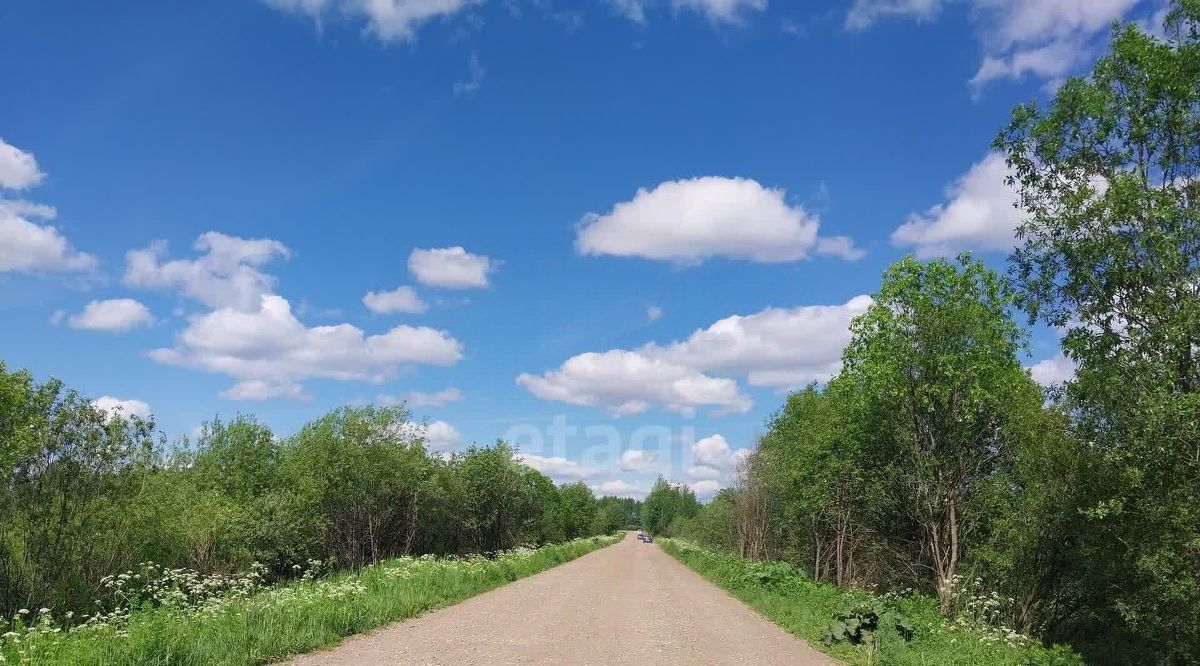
933, 462
931, 453
897, 629
667, 506
84, 495
1109, 253
236, 620
857, 624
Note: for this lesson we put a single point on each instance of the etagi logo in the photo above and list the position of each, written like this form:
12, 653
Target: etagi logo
607, 457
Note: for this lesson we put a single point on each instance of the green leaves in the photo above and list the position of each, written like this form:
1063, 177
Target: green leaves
1109, 252
857, 624
666, 503
83, 494
934, 365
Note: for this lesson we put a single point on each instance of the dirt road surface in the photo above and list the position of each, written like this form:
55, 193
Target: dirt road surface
629, 603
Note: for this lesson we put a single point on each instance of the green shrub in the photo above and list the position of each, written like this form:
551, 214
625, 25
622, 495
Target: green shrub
179, 617
894, 629
772, 575
858, 623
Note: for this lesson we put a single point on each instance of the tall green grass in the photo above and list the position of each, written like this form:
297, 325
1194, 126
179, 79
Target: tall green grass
281, 621
787, 597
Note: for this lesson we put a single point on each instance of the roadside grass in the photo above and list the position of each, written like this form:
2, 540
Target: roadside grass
275, 623
787, 597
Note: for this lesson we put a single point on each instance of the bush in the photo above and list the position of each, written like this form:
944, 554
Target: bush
899, 629
181, 617
858, 623
85, 495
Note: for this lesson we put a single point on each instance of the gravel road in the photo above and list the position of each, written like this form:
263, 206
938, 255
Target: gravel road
629, 603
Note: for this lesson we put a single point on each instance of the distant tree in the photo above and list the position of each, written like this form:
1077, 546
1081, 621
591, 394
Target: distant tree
826, 489
612, 514
239, 459
550, 523
578, 509
665, 503
362, 470
716, 523
502, 495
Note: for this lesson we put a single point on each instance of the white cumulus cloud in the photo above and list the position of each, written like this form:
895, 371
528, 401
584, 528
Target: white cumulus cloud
703, 472
226, 275
116, 314
1043, 37
557, 467
420, 399
400, 299
784, 348
1052, 60
1053, 371
781, 348
979, 214
29, 247
721, 11
28, 244
626, 382
688, 221
1048, 39
450, 268
441, 436
714, 451
18, 169
715, 465
637, 460
124, 408
270, 353
389, 20
619, 488
705, 489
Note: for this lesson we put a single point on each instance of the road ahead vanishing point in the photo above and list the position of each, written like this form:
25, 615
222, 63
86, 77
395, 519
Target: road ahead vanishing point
629, 603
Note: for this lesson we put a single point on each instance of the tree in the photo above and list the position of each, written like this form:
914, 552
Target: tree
716, 524
361, 468
578, 509
1108, 176
503, 508
611, 515
66, 463
665, 503
935, 360
551, 521
240, 459
826, 488
85, 494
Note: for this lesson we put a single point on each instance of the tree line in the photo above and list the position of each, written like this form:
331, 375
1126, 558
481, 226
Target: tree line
934, 461
86, 494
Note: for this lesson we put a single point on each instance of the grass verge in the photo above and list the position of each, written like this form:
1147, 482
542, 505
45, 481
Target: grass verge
787, 597
285, 620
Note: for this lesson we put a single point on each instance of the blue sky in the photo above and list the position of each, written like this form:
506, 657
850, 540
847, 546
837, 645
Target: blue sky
647, 218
